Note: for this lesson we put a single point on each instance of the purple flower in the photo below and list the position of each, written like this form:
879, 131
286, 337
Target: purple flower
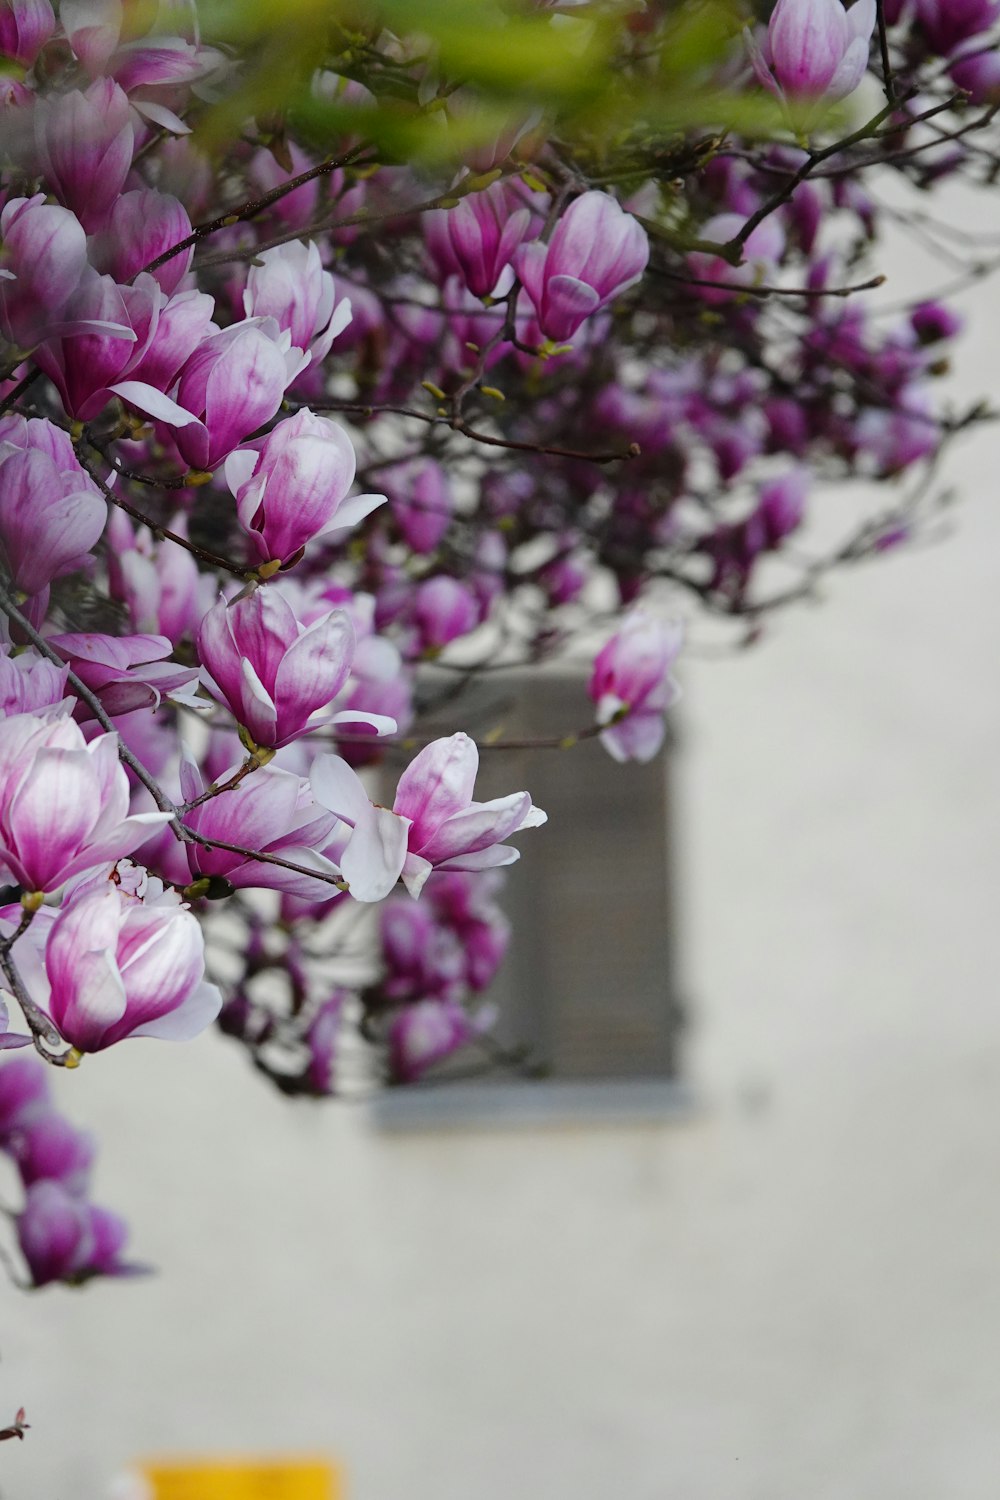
50, 1148
24, 1093
139, 227
814, 48
92, 29
232, 384
276, 674
54, 1232
85, 143
423, 958
426, 1033
443, 610
42, 258
978, 73
29, 681
632, 687
762, 251
120, 965
421, 502
596, 252
63, 802
448, 830
322, 1041
25, 27
292, 487
289, 284
484, 230
126, 672
118, 324
272, 812
51, 514
948, 23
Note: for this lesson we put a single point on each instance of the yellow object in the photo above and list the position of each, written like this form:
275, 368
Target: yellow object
243, 1479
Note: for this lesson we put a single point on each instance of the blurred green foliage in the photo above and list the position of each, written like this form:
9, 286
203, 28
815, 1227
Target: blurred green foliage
611, 79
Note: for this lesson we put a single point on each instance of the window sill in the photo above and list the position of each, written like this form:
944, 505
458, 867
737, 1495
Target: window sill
523, 1105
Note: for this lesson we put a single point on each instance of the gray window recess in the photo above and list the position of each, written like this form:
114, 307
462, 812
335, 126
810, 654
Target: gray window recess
589, 989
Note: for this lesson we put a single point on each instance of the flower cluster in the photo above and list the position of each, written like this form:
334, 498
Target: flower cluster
62, 1235
298, 440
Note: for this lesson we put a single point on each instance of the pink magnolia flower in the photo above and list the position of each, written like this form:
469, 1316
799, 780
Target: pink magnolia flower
814, 48
632, 687
139, 227
43, 255
63, 802
484, 230
84, 142
92, 29
50, 1147
232, 384
421, 500
122, 965
597, 251
29, 681
429, 1031
276, 812
51, 514
184, 323
275, 673
54, 1233
289, 284
292, 487
88, 366
447, 829
126, 672
25, 27
160, 583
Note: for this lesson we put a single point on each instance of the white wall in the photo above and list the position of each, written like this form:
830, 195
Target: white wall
792, 1297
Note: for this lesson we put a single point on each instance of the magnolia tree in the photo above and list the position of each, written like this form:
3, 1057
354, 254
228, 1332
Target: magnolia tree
351, 352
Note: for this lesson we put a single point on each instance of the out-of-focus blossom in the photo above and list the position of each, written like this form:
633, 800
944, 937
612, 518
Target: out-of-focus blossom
84, 142
25, 1095
946, 24
762, 251
25, 27
51, 1148
427, 1032
54, 1232
814, 48
92, 29
632, 687
421, 501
